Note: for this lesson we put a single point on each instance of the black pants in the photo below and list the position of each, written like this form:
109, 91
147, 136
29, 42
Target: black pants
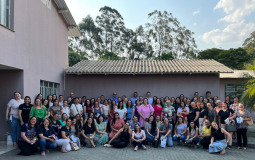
206, 142
119, 143
27, 149
241, 133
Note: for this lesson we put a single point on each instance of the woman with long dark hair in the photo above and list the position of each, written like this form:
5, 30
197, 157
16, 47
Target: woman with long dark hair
121, 110
64, 137
180, 130
138, 137
56, 108
192, 135
151, 129
101, 133
87, 109
39, 111
88, 133
74, 133
29, 141
47, 137
158, 108
129, 108
116, 124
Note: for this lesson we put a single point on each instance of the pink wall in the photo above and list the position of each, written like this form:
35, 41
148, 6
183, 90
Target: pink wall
10, 82
159, 85
38, 45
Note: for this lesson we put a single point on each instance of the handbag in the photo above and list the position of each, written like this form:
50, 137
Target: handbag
74, 146
250, 122
163, 142
231, 127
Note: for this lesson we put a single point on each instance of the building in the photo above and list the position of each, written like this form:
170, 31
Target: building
160, 77
33, 48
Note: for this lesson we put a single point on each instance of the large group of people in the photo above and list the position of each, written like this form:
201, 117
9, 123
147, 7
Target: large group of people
204, 122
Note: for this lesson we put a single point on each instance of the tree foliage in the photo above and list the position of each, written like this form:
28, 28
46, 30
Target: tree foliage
167, 35
109, 56
249, 43
74, 57
233, 58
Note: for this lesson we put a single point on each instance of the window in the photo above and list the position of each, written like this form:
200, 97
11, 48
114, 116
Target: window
7, 13
234, 89
47, 88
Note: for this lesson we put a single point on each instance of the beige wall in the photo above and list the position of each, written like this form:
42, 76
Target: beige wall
38, 46
159, 85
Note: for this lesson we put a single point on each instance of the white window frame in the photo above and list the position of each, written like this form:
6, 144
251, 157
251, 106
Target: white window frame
47, 88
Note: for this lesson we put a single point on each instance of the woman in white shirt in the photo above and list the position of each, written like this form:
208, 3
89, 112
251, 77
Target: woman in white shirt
12, 117
121, 110
138, 137
105, 107
76, 108
65, 108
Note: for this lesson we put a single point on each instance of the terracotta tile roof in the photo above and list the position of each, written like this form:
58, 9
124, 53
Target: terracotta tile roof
239, 74
147, 67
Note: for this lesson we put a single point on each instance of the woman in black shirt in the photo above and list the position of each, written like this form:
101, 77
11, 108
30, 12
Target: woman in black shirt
88, 133
218, 141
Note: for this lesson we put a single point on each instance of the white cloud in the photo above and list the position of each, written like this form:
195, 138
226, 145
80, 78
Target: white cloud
236, 29
196, 12
233, 34
195, 24
236, 10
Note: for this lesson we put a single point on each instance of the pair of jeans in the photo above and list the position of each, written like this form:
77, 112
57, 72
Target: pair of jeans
15, 129
241, 133
139, 144
150, 138
182, 137
46, 144
194, 141
169, 140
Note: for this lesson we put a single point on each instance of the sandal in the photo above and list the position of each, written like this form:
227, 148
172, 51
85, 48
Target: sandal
238, 147
144, 147
223, 151
244, 148
136, 148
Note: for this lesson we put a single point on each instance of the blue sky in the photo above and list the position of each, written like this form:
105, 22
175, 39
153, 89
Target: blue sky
216, 23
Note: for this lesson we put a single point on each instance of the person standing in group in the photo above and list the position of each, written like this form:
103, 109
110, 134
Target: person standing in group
12, 116
158, 108
112, 110
87, 108
65, 108
193, 114
210, 113
129, 108
76, 108
39, 111
242, 117
60, 100
235, 105
106, 109
135, 110
169, 112
97, 110
150, 99
133, 99
121, 110
145, 110
24, 110
202, 117
223, 115
114, 97
56, 108
218, 140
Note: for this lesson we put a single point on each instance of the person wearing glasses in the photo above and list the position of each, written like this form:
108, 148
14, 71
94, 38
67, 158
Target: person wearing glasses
114, 97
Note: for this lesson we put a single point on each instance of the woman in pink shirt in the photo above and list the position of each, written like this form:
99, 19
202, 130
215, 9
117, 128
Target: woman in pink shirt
158, 108
145, 110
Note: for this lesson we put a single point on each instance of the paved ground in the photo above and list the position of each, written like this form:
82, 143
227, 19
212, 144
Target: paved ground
100, 152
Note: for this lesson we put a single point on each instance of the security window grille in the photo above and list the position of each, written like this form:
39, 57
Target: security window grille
47, 88
234, 89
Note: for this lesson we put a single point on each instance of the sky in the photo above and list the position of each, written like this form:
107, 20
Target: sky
216, 23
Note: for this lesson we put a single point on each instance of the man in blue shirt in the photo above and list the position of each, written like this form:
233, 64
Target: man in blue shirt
148, 96
114, 97
134, 98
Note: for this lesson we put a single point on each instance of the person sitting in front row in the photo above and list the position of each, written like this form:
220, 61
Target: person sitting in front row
138, 137
192, 135
151, 130
218, 141
180, 130
165, 132
122, 138
206, 135
88, 133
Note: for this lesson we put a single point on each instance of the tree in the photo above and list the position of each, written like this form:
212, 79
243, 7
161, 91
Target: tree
74, 57
249, 43
233, 58
167, 35
90, 41
165, 56
112, 27
109, 56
